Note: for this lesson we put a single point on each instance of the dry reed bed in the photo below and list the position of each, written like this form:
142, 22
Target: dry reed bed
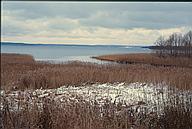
16, 58
83, 114
74, 112
148, 58
35, 75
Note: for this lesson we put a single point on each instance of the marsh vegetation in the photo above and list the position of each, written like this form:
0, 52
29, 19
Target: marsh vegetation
141, 91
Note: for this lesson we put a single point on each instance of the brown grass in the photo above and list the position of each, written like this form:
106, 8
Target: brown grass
25, 73
152, 59
16, 58
35, 75
90, 115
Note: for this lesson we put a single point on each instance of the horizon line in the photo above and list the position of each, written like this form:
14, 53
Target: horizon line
27, 43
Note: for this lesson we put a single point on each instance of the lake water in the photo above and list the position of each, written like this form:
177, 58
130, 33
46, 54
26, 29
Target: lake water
63, 53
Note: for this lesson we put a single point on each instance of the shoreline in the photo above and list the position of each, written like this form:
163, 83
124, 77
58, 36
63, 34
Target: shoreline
86, 91
146, 59
27, 73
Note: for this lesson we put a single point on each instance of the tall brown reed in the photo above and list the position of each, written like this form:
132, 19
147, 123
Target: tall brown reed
45, 75
80, 114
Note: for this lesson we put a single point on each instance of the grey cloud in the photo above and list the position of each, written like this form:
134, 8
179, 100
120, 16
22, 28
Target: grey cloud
13, 30
49, 9
108, 15
79, 10
146, 19
63, 24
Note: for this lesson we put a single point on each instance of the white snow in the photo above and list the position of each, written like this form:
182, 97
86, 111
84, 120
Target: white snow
143, 94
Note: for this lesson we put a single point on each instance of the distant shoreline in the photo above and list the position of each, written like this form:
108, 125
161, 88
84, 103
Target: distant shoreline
146, 58
41, 44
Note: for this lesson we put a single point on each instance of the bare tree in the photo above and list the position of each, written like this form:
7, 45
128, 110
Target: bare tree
175, 45
160, 42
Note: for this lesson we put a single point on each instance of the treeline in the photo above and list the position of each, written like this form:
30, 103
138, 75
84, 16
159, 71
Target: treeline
176, 44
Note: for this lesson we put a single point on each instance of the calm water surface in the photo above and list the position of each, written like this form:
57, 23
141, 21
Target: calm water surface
63, 53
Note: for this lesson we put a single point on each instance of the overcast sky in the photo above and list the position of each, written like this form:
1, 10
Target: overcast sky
92, 23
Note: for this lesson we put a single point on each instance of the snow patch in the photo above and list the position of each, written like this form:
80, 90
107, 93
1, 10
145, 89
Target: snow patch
154, 97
